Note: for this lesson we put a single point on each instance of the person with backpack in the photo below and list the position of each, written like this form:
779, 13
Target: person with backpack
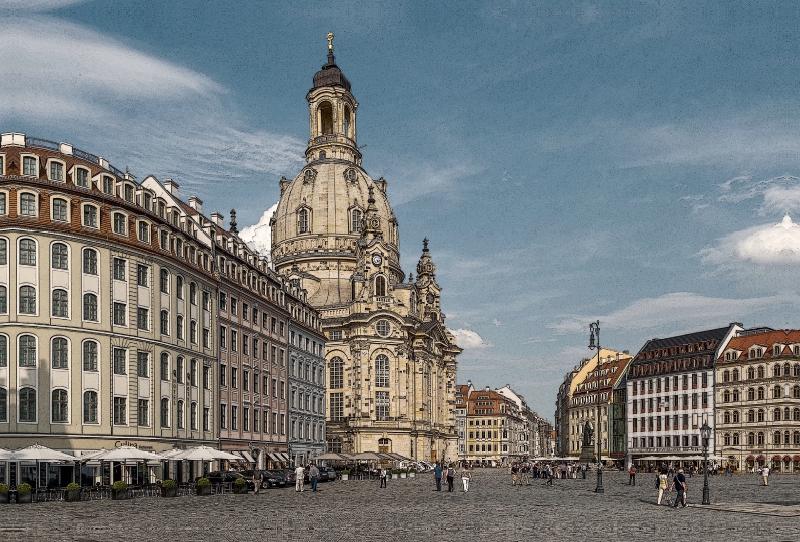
437, 473
451, 474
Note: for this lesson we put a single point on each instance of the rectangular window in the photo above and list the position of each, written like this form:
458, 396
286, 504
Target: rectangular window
82, 177
56, 171
119, 314
234, 340
128, 193
274, 423
255, 348
143, 416
336, 406
246, 419
234, 306
2, 199
119, 269
120, 358
234, 421
206, 419
245, 345
120, 416
223, 301
381, 405
59, 209
164, 367
90, 216
283, 424
206, 301
275, 388
144, 232
108, 185
142, 318
120, 224
223, 373
142, 363
223, 335
245, 312
206, 338
141, 275
29, 165
246, 380
163, 237
234, 378
206, 377
223, 419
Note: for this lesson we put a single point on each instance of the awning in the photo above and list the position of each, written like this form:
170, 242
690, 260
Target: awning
751, 458
274, 457
760, 458
776, 458
247, 456
796, 458
284, 457
787, 458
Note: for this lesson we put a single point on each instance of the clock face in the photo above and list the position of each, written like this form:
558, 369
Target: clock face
377, 259
430, 299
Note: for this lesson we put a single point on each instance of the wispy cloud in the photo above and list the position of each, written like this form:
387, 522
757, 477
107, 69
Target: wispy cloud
16, 6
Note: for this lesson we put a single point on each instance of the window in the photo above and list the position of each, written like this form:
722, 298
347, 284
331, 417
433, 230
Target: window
120, 414
179, 326
27, 300
59, 304
90, 261
336, 406
141, 275
302, 221
120, 362
179, 369
234, 418
164, 366
3, 252
120, 309
207, 301
59, 406
120, 224
382, 371
142, 318
27, 405
193, 293
59, 353
382, 327
193, 372
128, 193
3, 209
760, 393
776, 391
142, 363
27, 252
90, 216
164, 412
164, 323
143, 414
90, 307
29, 165
3, 300
234, 305
56, 171
82, 177
144, 232
90, 407
164, 240
234, 340
355, 224
3, 351
180, 415
27, 204
193, 416
206, 377
108, 185
381, 405
27, 351
60, 209
119, 269
206, 338
234, 377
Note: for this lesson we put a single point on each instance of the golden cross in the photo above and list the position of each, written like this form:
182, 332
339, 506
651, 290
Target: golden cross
330, 42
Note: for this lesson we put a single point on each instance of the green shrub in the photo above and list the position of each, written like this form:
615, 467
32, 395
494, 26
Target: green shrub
240, 482
4, 488
347, 472
24, 488
413, 470
119, 485
72, 486
203, 482
396, 471
168, 483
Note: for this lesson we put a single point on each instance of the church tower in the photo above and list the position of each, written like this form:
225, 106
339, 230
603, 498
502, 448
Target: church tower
391, 363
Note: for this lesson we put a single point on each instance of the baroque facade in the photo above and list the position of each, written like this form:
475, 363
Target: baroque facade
391, 361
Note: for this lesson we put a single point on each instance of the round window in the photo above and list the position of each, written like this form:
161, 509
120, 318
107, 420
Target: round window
383, 328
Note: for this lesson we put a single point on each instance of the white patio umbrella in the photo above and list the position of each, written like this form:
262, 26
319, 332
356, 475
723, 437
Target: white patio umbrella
124, 454
204, 453
43, 454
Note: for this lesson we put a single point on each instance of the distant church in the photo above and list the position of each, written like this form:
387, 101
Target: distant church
391, 363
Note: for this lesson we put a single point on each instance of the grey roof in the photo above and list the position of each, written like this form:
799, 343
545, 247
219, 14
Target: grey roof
690, 338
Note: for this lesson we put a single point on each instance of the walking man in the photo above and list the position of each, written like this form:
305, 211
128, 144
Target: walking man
451, 474
314, 476
765, 475
299, 474
514, 470
437, 472
549, 469
258, 479
632, 479
525, 477
679, 483
383, 478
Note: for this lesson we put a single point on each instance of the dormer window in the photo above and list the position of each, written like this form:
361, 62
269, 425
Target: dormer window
128, 191
120, 224
776, 350
108, 185
27, 204
302, 221
56, 171
29, 166
82, 177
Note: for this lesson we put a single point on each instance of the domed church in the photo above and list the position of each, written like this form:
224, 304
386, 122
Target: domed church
391, 363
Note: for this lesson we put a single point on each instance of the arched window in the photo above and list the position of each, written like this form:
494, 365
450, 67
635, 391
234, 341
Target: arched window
787, 369
796, 368
59, 256
726, 396
3, 405
27, 351
382, 371
27, 300
336, 368
90, 407
355, 223
751, 394
347, 122
726, 417
760, 415
164, 322
60, 406
302, 221
735, 416
164, 412
735, 375
180, 415
90, 307
90, 356
179, 287
326, 118
760, 371
776, 415
27, 252
751, 416
751, 373
736, 439
60, 209
796, 438
27, 204
751, 439
786, 438
59, 352
164, 281
193, 372
735, 396
59, 305
3, 351
179, 326
776, 437
760, 393
796, 392
776, 392
3, 247
726, 439
776, 369
193, 293
726, 376
3, 300
89, 261
193, 333
380, 286
27, 405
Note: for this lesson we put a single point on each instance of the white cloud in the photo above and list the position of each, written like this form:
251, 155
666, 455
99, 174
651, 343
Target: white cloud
497, 322
15, 6
259, 235
680, 311
469, 340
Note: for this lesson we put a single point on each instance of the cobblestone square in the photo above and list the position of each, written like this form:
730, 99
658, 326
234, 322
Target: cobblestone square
411, 509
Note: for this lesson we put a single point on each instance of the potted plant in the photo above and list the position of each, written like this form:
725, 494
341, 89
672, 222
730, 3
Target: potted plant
119, 491
412, 473
169, 488
24, 493
395, 474
345, 474
72, 493
240, 486
403, 474
204, 486
4, 493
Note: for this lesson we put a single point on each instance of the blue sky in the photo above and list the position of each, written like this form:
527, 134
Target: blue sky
630, 162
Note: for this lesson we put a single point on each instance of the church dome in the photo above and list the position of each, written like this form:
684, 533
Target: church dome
331, 76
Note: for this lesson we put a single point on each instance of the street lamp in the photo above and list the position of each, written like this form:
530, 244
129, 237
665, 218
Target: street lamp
705, 434
594, 330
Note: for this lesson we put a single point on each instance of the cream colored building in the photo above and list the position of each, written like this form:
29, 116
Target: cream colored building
391, 362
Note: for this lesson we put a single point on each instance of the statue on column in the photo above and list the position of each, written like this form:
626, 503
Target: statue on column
588, 432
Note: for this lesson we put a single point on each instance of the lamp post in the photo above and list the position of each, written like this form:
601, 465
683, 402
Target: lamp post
705, 434
594, 330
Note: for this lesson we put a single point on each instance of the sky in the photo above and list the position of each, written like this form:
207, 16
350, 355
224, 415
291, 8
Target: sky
633, 162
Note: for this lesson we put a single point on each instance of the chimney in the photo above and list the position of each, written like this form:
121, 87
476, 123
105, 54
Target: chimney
172, 187
626, 351
196, 204
216, 218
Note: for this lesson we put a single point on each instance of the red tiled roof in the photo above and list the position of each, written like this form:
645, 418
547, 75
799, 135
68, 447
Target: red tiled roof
766, 340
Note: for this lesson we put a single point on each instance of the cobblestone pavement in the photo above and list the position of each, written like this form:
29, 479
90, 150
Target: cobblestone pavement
411, 510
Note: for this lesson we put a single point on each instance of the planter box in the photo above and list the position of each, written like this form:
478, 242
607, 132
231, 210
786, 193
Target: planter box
402, 475
240, 489
3, 498
169, 491
73, 495
412, 474
119, 494
345, 477
25, 497
203, 490
395, 476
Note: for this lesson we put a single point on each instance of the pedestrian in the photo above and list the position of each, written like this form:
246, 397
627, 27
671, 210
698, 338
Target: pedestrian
258, 479
451, 475
526, 467
549, 472
437, 472
661, 484
299, 474
765, 475
632, 479
583, 471
514, 470
679, 483
383, 477
314, 473
466, 477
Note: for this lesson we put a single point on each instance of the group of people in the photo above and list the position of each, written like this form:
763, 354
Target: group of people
449, 473
299, 474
